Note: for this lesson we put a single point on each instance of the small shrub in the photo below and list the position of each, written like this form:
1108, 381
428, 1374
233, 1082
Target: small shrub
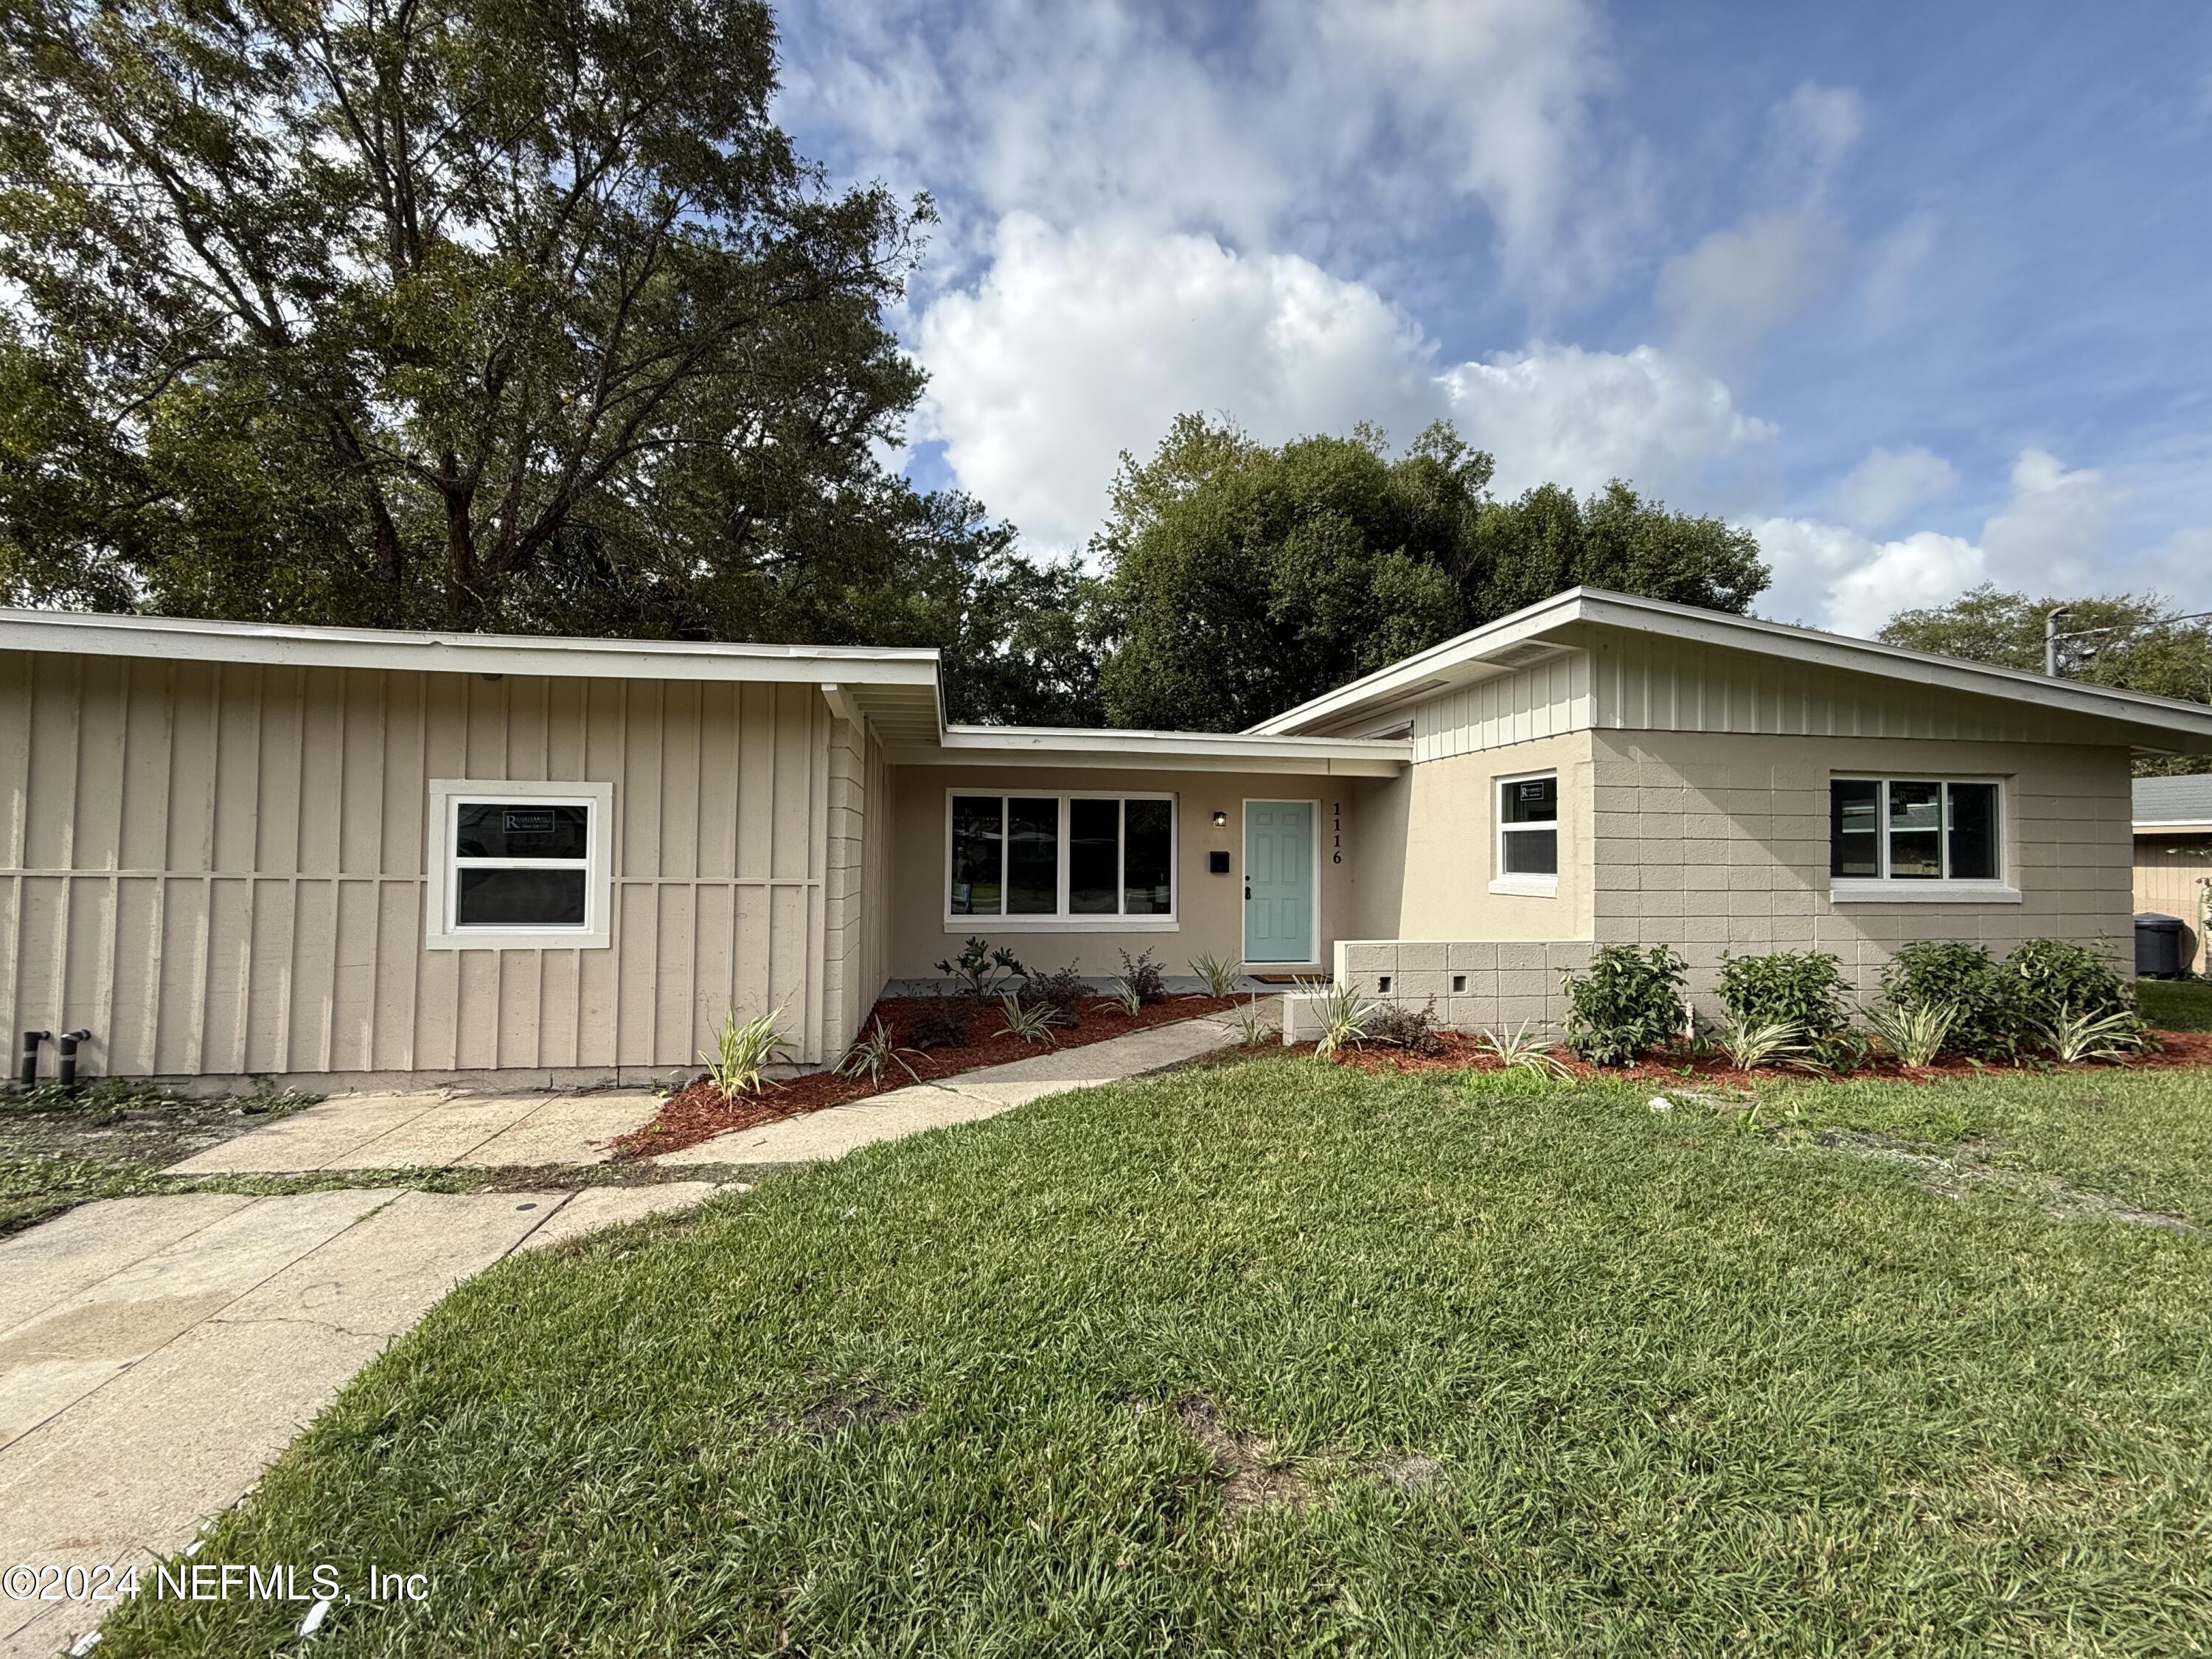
1032, 1023
1142, 974
2077, 1034
1062, 995
743, 1051
940, 1022
1522, 1050
1126, 995
1220, 977
1401, 1026
1840, 1053
873, 1053
1252, 1027
2057, 976
1750, 1044
984, 970
1628, 1002
1985, 1001
1804, 989
1915, 1033
1342, 1013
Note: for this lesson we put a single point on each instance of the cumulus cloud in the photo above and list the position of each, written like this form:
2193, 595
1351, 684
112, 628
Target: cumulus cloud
1890, 482
2048, 537
1561, 414
1078, 345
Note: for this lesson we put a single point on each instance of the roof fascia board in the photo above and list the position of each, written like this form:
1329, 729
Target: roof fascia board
179, 641
1130, 760
2173, 827
1375, 691
1170, 751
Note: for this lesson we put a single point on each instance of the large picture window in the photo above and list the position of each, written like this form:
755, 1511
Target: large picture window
1528, 834
518, 865
1039, 861
1907, 830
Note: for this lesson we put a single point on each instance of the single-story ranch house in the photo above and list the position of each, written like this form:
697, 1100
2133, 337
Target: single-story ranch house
355, 857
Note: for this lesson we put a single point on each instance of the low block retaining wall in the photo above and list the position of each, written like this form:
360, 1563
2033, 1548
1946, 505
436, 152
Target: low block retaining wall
1473, 984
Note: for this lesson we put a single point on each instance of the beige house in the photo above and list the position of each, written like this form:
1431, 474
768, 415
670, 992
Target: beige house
2173, 857
353, 857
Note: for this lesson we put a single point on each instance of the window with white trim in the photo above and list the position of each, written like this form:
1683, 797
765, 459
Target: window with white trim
1068, 860
518, 866
1528, 828
1908, 830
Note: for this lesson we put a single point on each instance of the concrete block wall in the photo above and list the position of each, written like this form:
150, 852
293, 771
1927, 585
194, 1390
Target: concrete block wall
1475, 984
1718, 846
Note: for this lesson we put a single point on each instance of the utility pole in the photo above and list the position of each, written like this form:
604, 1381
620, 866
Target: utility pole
2050, 638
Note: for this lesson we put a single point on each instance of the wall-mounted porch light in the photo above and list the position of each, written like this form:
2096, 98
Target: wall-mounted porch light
1220, 819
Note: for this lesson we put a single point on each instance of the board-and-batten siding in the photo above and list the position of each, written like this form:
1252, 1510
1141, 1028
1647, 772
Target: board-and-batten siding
219, 868
1661, 685
1542, 701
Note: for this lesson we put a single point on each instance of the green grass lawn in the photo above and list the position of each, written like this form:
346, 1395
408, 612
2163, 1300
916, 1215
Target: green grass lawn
1275, 1359
2176, 1005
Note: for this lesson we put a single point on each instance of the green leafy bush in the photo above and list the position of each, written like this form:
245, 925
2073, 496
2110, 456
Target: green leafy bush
1142, 974
1627, 1002
1804, 989
1987, 1019
2058, 976
985, 970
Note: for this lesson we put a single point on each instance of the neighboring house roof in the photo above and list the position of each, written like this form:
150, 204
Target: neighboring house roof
1543, 630
2171, 804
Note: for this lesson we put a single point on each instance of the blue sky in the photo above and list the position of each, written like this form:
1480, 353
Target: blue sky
1917, 293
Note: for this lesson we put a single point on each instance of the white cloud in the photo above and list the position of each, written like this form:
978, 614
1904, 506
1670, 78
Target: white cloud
1079, 345
1820, 123
2048, 537
1890, 482
2055, 535
1739, 285
1561, 414
1388, 111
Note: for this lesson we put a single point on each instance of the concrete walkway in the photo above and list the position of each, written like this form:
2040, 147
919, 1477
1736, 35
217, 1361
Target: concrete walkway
157, 1353
430, 1130
836, 1130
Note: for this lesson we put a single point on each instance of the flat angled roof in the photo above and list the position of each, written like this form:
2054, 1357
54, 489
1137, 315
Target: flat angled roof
1125, 748
178, 638
1499, 647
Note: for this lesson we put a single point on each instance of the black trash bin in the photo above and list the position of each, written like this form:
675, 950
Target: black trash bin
2157, 945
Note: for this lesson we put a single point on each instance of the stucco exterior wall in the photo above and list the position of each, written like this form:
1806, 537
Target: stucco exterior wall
1428, 848
220, 870
1210, 908
2169, 870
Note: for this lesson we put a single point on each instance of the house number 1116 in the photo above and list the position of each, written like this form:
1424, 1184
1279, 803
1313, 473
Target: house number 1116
1336, 831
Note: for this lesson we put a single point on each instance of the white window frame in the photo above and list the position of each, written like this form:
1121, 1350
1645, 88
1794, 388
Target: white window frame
442, 889
1521, 885
1886, 889
1061, 922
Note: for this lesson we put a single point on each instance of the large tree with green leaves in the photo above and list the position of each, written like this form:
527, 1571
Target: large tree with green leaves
516, 314
1237, 579
2127, 640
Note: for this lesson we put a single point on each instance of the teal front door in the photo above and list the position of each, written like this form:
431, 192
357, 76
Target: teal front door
1278, 881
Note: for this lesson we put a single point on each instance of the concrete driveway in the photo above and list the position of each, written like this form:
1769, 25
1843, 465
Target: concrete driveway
157, 1353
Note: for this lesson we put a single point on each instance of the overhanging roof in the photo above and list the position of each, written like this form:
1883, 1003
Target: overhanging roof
1547, 628
1173, 751
896, 686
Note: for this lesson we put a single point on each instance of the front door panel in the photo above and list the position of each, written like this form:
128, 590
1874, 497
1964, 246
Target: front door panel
1278, 871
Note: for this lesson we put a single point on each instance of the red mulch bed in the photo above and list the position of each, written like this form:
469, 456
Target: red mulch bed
700, 1111
1457, 1052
